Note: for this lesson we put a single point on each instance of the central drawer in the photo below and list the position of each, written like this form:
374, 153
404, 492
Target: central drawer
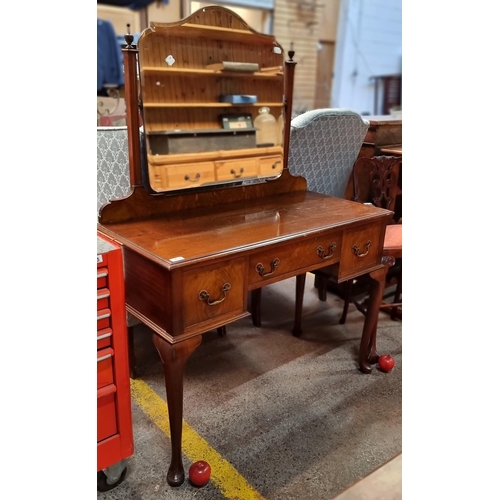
294, 258
214, 291
233, 170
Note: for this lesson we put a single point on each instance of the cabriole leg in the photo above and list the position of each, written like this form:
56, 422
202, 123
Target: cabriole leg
174, 357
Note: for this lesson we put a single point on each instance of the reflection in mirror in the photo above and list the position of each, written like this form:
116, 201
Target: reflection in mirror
212, 101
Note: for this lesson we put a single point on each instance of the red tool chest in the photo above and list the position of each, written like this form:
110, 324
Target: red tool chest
114, 411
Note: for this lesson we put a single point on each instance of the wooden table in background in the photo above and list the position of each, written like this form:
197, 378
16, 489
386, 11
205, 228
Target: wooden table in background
384, 130
394, 150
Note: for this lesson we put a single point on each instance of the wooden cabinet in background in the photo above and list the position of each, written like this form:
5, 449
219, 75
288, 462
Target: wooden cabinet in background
384, 131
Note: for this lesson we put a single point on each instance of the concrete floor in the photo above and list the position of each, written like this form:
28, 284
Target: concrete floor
292, 418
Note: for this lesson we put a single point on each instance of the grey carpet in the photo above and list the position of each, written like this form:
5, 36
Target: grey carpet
294, 416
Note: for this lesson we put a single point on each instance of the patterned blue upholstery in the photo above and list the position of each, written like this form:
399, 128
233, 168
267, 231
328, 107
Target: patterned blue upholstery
324, 144
113, 174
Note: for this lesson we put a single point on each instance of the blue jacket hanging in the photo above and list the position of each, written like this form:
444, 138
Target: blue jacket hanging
109, 58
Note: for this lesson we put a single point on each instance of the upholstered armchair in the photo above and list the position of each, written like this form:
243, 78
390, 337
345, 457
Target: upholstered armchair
324, 144
113, 174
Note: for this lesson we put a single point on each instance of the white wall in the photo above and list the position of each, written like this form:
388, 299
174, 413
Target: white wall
369, 42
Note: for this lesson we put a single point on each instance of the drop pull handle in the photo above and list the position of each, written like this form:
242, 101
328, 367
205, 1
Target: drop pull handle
357, 251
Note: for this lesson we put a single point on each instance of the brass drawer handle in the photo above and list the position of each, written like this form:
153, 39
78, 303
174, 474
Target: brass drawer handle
204, 295
237, 175
196, 179
321, 251
356, 250
260, 268
275, 164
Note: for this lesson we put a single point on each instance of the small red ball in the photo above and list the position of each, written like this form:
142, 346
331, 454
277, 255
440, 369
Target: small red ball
199, 473
386, 362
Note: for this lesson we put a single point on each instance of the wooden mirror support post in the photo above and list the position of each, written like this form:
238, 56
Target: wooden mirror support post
132, 108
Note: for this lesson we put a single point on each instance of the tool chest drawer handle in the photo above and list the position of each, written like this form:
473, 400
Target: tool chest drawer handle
102, 358
104, 336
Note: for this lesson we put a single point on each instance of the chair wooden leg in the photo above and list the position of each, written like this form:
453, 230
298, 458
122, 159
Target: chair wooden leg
255, 305
397, 295
368, 347
347, 301
131, 352
321, 283
300, 283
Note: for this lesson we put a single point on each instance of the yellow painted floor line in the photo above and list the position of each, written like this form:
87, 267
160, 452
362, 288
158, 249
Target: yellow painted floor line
227, 479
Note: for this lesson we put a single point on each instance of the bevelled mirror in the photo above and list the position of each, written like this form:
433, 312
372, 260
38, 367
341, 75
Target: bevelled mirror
211, 90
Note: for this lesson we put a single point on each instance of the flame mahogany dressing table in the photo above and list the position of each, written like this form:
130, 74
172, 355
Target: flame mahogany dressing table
200, 230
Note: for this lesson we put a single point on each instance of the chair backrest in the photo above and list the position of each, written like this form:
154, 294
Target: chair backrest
113, 171
377, 180
324, 144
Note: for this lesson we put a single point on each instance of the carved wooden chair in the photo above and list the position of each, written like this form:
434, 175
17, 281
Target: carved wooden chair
113, 182
324, 144
377, 180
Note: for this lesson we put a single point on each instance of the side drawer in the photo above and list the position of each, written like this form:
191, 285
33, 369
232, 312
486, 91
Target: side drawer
106, 413
105, 367
270, 166
293, 258
191, 175
213, 291
234, 170
361, 250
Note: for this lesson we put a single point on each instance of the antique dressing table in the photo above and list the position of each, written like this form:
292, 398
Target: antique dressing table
200, 230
